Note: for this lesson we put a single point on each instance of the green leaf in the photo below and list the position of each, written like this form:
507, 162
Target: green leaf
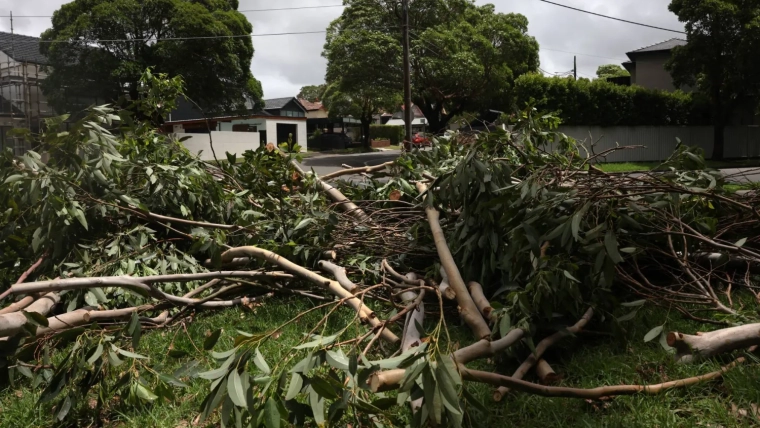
304, 223
96, 355
13, 179
36, 318
210, 341
610, 243
79, 215
145, 393
337, 360
235, 389
131, 354
447, 388
323, 388
24, 370
296, 384
64, 409
653, 333
271, 414
172, 381
322, 341
740, 243
176, 353
411, 374
258, 359
317, 407
634, 304
569, 276
629, 250
628, 316
505, 324
114, 359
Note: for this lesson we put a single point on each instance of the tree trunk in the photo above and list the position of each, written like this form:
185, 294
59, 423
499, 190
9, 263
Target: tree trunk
365, 135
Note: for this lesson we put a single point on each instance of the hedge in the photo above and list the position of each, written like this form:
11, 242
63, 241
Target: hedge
387, 132
601, 103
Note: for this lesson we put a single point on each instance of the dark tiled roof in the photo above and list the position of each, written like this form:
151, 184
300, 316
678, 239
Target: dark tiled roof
662, 46
22, 48
277, 103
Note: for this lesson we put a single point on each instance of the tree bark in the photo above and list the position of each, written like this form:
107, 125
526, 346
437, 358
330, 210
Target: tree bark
476, 290
445, 288
11, 324
545, 344
695, 348
412, 335
546, 373
333, 287
339, 273
470, 313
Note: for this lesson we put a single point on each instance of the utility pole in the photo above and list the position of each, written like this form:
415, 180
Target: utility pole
575, 67
408, 116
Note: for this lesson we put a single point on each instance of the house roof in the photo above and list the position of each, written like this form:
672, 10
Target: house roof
310, 106
277, 103
416, 111
662, 46
22, 48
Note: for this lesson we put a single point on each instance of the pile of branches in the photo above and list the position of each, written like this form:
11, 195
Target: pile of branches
122, 230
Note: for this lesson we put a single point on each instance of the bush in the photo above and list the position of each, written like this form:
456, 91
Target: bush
601, 103
387, 132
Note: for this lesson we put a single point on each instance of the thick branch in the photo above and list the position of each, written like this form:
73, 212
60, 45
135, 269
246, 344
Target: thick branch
82, 317
356, 171
445, 288
11, 324
339, 273
343, 202
546, 373
415, 317
485, 348
484, 306
694, 348
541, 349
470, 313
333, 286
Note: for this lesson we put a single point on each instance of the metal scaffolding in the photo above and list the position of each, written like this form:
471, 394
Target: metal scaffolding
22, 103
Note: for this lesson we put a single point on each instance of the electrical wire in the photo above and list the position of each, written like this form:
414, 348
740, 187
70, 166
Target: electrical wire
612, 17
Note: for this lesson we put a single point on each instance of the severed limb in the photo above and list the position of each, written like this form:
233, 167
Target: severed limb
12, 323
339, 273
333, 287
445, 288
469, 312
691, 348
484, 306
356, 171
546, 373
545, 344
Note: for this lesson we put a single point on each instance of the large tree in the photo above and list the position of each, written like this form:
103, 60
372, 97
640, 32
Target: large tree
312, 93
720, 58
89, 57
363, 74
464, 57
611, 70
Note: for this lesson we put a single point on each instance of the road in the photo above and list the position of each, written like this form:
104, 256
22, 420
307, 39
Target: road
325, 164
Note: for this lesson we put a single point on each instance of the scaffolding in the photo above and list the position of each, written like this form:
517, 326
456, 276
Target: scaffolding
22, 103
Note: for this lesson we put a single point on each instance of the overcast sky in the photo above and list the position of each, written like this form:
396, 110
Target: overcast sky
286, 63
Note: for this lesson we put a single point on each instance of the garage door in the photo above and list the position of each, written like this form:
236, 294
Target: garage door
285, 132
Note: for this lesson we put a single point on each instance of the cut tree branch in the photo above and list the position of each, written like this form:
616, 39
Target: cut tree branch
339, 273
695, 348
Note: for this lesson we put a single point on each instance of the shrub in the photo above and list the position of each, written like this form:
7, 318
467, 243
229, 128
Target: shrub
387, 132
601, 103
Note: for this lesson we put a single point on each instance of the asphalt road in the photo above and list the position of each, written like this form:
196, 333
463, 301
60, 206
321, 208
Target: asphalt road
330, 163
325, 164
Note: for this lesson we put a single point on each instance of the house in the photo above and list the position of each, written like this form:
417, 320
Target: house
419, 123
647, 65
22, 104
314, 110
276, 121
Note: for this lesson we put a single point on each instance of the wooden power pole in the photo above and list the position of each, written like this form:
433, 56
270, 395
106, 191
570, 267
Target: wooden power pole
408, 116
575, 67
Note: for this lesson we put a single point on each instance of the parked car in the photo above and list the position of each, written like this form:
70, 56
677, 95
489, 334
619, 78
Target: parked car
421, 139
332, 141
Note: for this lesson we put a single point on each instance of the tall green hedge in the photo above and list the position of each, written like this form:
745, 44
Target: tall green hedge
387, 132
601, 103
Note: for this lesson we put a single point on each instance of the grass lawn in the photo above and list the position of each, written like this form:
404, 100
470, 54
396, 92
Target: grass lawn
649, 166
588, 360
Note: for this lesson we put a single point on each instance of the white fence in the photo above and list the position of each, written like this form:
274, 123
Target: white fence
660, 141
224, 142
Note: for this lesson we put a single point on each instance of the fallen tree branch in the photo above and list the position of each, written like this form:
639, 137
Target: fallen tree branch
445, 288
339, 273
82, 317
415, 316
11, 324
355, 171
485, 348
695, 348
589, 394
336, 195
333, 286
545, 344
21, 280
484, 306
546, 374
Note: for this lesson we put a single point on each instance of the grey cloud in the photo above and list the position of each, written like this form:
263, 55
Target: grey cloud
285, 63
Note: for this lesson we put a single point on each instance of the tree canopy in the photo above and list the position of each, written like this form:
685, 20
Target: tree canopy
464, 57
89, 58
363, 74
720, 58
312, 93
611, 70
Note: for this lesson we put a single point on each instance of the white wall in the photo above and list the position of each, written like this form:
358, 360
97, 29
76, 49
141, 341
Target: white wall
224, 142
270, 126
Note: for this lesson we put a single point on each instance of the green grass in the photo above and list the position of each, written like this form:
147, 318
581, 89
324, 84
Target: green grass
613, 167
588, 360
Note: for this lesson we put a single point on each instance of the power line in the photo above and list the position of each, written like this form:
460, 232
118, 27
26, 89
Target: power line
583, 54
612, 17
241, 11
174, 38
